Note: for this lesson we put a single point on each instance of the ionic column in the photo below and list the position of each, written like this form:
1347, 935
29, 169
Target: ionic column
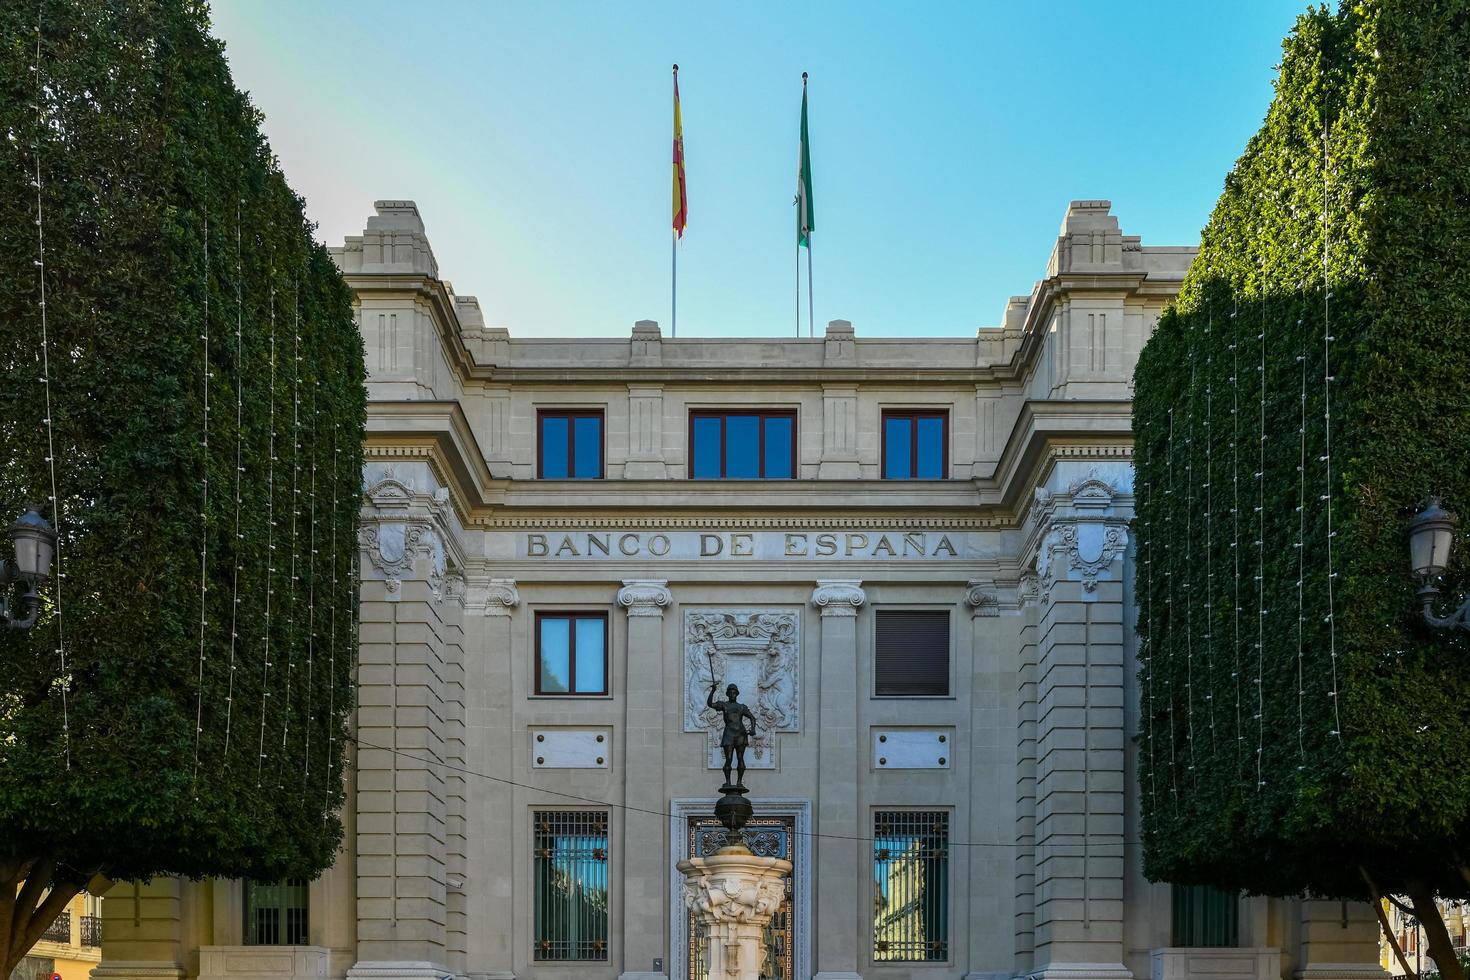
841, 880
645, 835
490, 899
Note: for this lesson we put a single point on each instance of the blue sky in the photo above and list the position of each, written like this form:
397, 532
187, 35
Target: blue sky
947, 139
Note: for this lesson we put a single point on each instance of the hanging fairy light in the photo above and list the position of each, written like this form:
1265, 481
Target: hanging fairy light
57, 511
1326, 458
270, 534
203, 518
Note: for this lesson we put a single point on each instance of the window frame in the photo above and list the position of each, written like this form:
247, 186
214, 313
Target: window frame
913, 415
1197, 901
247, 927
571, 415
948, 812
723, 414
573, 615
948, 613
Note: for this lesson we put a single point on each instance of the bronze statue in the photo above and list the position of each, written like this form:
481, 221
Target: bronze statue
736, 737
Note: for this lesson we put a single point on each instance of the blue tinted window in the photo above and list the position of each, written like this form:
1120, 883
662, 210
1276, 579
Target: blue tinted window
898, 448
555, 446
931, 447
707, 447
591, 656
556, 655
571, 654
742, 447
587, 447
571, 445
914, 445
778, 448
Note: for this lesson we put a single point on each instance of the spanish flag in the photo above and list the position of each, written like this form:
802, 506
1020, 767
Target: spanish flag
681, 199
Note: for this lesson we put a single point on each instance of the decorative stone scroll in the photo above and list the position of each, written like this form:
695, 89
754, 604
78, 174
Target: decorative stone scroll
493, 597
645, 597
758, 650
838, 597
981, 598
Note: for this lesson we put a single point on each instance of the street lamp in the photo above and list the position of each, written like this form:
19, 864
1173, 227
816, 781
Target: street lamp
1431, 537
35, 544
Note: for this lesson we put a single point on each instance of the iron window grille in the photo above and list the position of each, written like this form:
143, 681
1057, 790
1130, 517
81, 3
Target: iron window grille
276, 913
759, 444
911, 653
571, 653
911, 886
915, 444
571, 876
569, 444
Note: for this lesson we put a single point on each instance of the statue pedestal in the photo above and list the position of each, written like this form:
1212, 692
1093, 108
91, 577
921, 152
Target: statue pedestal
734, 894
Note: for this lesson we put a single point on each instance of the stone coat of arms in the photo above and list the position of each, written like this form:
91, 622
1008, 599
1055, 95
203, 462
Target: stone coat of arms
760, 651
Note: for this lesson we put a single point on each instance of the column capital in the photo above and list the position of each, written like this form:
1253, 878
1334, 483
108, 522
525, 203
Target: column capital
980, 596
839, 597
645, 596
493, 597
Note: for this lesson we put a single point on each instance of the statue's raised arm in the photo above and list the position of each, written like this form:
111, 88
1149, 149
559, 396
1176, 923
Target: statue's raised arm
709, 699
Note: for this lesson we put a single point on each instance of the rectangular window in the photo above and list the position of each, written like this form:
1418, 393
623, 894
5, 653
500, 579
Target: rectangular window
1205, 916
756, 445
570, 852
569, 444
911, 876
915, 445
571, 653
276, 913
911, 653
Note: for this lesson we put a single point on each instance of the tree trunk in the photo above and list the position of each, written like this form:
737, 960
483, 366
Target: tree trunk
31, 897
1441, 950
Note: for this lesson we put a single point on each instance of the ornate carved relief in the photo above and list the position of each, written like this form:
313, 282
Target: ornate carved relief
393, 548
758, 650
838, 597
645, 597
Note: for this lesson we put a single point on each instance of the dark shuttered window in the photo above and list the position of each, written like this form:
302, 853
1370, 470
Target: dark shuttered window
1205, 916
911, 653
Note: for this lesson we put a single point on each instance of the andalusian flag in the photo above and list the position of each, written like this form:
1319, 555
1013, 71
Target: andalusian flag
681, 200
806, 221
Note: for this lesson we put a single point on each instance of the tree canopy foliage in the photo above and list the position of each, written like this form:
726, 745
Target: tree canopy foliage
1301, 729
206, 613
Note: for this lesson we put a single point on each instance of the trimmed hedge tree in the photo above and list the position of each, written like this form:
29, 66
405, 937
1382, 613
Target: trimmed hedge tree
206, 412
1301, 730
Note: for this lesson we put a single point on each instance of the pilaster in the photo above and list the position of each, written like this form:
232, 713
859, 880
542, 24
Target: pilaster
1080, 786
410, 807
987, 773
645, 844
490, 900
1338, 941
839, 433
645, 434
841, 872
143, 931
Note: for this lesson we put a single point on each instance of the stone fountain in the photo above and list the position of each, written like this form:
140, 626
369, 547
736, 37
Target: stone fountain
733, 893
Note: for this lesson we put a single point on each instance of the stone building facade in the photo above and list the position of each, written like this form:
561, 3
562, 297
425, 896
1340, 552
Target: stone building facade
912, 556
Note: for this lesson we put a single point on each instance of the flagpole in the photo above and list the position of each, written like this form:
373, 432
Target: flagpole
674, 234
798, 284
811, 323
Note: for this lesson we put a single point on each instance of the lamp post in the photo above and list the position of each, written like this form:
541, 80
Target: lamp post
35, 544
1431, 538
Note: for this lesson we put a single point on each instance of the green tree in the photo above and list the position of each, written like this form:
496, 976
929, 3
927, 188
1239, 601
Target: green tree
1302, 731
180, 706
